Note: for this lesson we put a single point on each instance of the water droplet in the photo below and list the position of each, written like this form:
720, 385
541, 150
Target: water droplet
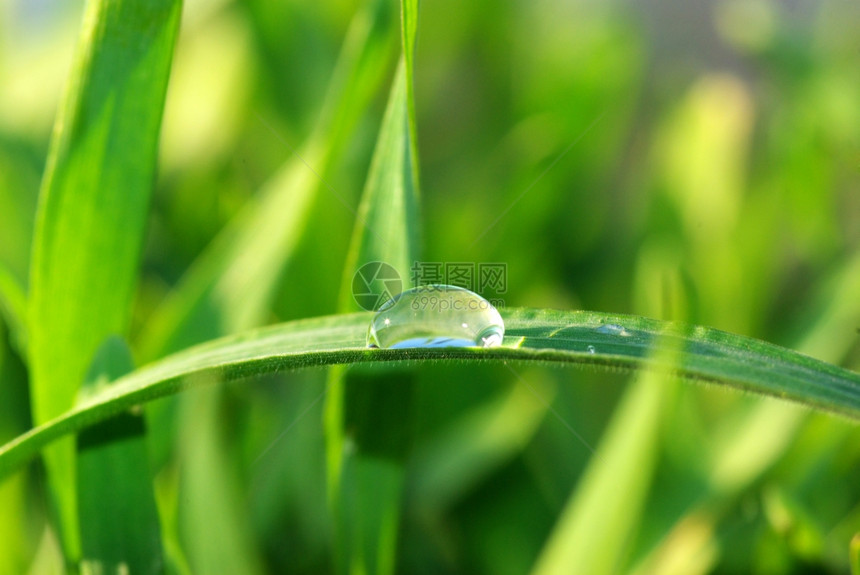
612, 329
436, 316
591, 349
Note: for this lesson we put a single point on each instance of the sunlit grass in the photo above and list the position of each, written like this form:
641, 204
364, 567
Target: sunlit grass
609, 161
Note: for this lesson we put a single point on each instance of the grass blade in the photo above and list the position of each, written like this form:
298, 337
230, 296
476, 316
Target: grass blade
548, 336
92, 210
119, 521
374, 403
595, 529
214, 524
385, 232
386, 227
409, 36
19, 520
13, 307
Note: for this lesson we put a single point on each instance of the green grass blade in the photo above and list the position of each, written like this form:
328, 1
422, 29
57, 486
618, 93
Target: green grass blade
548, 336
16, 547
19, 520
409, 36
13, 307
92, 210
365, 486
595, 529
386, 227
385, 232
215, 526
598, 526
119, 521
369, 514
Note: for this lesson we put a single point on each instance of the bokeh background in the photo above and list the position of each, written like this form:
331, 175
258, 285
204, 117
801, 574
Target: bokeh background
697, 161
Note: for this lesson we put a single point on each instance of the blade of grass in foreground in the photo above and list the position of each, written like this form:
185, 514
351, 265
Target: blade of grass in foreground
92, 211
549, 336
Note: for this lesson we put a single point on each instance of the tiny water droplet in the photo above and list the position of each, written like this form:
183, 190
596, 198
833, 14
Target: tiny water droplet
436, 316
591, 349
612, 329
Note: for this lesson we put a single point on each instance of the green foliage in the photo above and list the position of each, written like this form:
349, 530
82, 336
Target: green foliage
119, 522
702, 175
13, 306
704, 355
92, 212
368, 409
598, 523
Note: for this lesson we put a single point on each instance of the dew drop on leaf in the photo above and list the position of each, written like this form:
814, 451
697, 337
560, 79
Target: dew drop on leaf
436, 316
612, 329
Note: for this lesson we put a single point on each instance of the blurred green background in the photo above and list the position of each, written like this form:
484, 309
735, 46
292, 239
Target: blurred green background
697, 161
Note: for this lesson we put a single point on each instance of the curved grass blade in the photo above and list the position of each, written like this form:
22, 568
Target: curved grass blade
550, 336
92, 211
